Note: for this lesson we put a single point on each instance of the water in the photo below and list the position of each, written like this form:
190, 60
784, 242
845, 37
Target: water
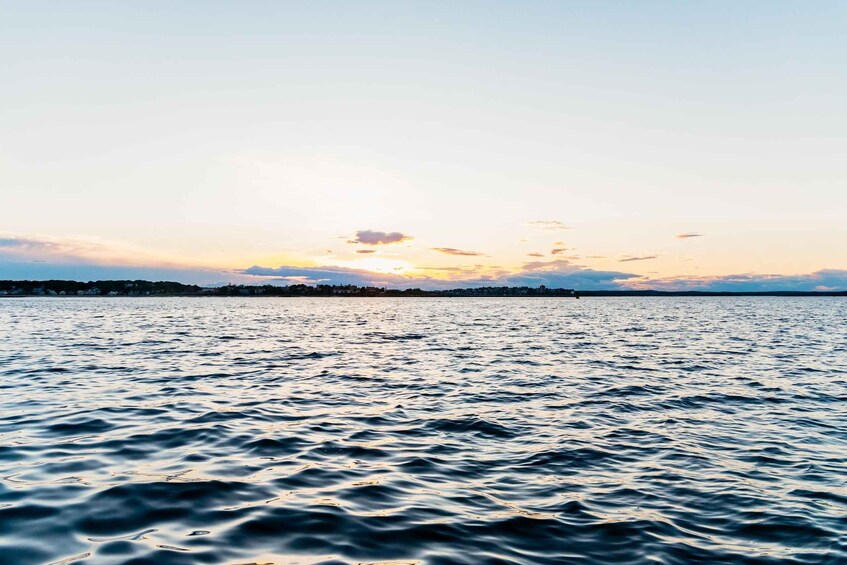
615, 430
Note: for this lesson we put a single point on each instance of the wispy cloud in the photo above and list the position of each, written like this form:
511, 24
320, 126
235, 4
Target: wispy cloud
370, 237
548, 225
365, 251
644, 258
688, 235
46, 249
41, 258
558, 250
454, 251
76, 250
535, 255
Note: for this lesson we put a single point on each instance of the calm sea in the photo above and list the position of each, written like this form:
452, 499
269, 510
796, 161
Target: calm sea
464, 430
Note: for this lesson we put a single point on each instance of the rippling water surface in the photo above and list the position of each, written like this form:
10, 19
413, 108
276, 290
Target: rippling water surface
615, 430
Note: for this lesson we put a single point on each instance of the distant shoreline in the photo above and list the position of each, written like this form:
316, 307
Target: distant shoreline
142, 288
592, 295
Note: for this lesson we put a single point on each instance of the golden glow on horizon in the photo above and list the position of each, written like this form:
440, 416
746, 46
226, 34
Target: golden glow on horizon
378, 265
706, 256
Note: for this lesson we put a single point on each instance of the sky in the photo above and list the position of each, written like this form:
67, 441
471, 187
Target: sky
426, 144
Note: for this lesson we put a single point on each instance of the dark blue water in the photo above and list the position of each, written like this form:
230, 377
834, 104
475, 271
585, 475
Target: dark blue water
639, 430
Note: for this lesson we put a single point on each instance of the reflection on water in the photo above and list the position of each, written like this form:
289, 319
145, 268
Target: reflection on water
191, 430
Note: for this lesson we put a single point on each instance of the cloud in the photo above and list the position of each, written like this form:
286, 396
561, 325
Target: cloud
77, 251
558, 251
547, 265
688, 235
535, 255
548, 225
453, 251
561, 273
644, 258
825, 279
41, 258
365, 251
24, 244
370, 237
44, 249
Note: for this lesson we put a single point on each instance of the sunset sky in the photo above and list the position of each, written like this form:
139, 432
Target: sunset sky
575, 144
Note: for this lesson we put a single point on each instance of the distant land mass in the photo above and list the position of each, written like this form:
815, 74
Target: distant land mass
167, 288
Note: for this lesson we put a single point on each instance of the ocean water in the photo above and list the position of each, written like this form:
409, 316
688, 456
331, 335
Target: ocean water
466, 430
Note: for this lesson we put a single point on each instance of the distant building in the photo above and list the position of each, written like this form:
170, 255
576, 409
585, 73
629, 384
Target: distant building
349, 289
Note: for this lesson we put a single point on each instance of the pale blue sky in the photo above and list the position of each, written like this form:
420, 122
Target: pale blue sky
228, 134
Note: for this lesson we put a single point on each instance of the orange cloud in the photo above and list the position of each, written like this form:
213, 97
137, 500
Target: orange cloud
454, 251
644, 258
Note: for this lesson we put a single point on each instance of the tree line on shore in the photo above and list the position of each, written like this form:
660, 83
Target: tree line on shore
168, 288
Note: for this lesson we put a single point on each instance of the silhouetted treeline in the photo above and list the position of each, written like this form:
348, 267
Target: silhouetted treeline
148, 288
96, 288
165, 288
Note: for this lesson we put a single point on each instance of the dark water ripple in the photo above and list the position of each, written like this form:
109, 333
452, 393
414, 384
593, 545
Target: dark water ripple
423, 430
